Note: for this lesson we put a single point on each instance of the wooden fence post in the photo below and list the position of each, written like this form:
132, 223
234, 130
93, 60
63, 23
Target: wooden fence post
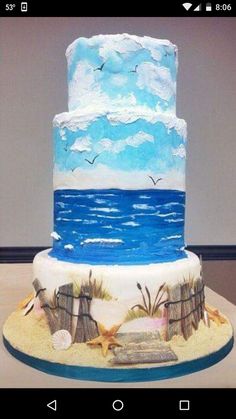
86, 328
45, 303
173, 312
186, 309
198, 286
65, 307
195, 321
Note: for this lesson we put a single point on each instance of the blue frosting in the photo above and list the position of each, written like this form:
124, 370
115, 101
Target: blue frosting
122, 66
119, 154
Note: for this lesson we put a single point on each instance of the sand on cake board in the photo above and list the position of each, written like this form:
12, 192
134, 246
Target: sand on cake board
31, 335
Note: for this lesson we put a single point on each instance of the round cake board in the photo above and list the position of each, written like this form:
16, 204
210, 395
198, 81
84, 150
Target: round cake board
121, 375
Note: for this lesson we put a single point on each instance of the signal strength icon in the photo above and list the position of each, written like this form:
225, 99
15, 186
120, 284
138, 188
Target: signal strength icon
187, 5
198, 8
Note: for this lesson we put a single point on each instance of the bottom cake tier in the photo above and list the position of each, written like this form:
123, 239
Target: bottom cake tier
117, 323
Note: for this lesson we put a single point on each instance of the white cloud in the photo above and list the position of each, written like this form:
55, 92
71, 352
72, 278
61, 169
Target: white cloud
83, 88
179, 151
122, 44
102, 176
156, 79
82, 144
156, 54
117, 146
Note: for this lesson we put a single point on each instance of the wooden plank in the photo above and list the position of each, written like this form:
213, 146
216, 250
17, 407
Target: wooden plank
197, 288
195, 321
173, 312
202, 299
141, 347
186, 308
65, 303
50, 315
86, 328
138, 337
79, 332
144, 357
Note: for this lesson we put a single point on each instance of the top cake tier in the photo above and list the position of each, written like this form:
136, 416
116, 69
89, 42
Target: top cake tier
119, 71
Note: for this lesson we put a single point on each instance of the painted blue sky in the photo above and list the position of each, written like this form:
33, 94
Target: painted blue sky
120, 66
137, 146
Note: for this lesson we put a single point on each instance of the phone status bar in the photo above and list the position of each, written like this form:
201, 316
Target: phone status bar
72, 8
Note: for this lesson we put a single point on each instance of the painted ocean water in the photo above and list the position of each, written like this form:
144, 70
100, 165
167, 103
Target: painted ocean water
115, 226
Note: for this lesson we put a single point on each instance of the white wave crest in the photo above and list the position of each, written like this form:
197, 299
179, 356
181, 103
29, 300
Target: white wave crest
131, 223
177, 236
144, 197
55, 235
100, 201
102, 241
104, 209
61, 204
143, 206
69, 246
89, 222
165, 215
177, 220
171, 204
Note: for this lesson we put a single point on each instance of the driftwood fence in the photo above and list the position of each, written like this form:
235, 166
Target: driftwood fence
184, 308
60, 314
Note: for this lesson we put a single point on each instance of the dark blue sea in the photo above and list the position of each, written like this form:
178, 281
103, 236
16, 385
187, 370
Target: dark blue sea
116, 226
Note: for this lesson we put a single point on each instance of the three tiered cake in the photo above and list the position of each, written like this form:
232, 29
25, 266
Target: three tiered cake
118, 296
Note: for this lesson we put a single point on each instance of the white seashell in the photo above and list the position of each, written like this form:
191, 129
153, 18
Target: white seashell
61, 340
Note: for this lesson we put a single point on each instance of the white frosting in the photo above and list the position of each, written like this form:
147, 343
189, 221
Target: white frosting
179, 151
69, 246
81, 119
123, 43
55, 235
82, 144
156, 79
119, 281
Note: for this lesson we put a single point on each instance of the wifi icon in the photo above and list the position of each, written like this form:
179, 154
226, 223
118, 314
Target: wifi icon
187, 5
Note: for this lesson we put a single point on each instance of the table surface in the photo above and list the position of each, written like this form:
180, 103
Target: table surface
15, 282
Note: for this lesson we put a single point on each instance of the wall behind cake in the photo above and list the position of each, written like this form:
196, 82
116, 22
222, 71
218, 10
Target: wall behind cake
33, 89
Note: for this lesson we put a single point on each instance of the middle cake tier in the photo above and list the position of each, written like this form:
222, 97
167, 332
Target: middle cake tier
119, 180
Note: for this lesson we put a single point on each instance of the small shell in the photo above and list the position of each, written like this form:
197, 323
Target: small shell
61, 340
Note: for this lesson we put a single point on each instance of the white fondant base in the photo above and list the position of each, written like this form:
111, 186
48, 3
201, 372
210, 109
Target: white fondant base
119, 280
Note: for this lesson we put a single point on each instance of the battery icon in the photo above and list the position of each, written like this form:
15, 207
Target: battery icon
24, 6
208, 7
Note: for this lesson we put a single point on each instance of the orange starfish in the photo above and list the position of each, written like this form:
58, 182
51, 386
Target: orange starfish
106, 338
215, 315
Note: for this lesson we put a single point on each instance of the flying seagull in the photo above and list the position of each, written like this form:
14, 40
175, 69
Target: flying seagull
73, 169
135, 69
99, 68
92, 161
155, 181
